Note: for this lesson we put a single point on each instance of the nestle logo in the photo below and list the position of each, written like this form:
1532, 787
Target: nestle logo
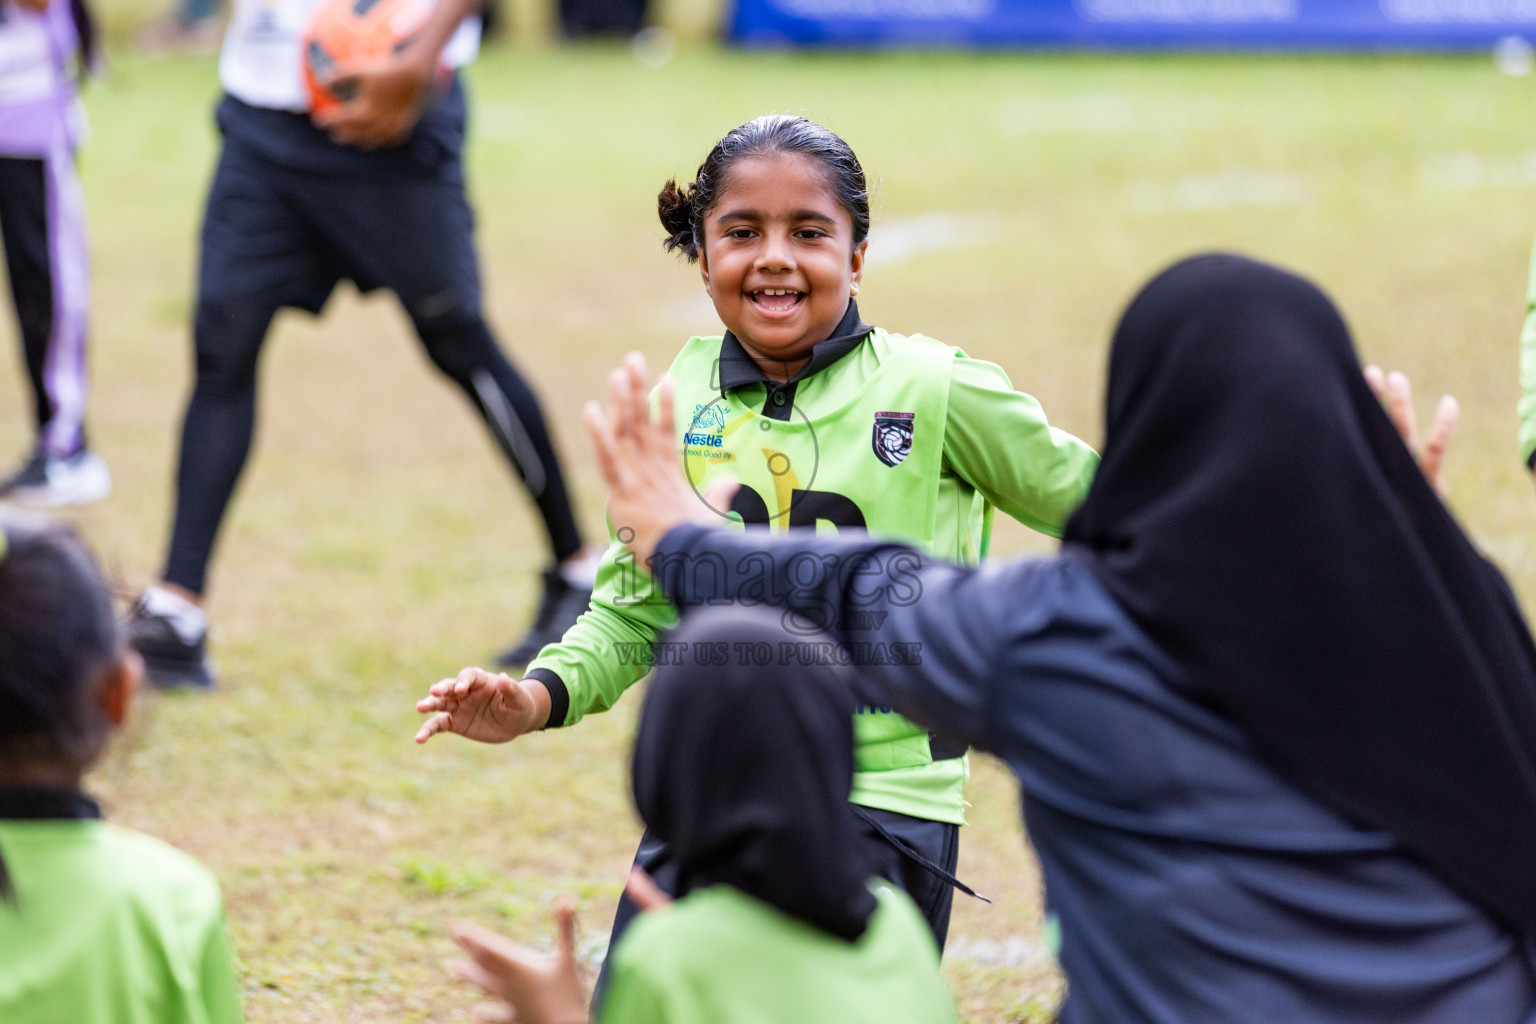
707, 440
707, 417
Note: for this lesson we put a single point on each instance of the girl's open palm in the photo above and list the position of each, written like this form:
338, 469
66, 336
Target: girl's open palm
478, 706
537, 988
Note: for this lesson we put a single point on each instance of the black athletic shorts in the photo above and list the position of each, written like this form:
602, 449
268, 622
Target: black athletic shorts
290, 213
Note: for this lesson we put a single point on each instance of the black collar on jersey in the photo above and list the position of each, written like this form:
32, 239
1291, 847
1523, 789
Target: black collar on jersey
738, 369
25, 803
1259, 517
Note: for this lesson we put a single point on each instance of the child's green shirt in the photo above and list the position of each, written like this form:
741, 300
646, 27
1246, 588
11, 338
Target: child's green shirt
109, 926
903, 437
719, 955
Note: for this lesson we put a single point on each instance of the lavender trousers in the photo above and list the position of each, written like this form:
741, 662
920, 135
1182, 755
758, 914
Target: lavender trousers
42, 227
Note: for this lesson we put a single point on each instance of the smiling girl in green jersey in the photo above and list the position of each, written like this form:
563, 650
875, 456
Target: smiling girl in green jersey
828, 423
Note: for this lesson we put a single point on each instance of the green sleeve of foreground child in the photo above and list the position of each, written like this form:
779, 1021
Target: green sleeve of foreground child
1527, 405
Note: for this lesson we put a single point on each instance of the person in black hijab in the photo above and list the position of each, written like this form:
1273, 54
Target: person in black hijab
1273, 716
744, 774
1260, 518
743, 768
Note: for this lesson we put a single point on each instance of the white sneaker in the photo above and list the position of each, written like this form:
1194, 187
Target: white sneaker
44, 482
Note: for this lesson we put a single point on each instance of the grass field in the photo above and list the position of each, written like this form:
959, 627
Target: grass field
377, 543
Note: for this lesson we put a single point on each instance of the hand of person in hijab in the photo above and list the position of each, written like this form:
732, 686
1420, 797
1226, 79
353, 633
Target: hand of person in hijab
484, 707
1396, 393
641, 465
643, 891
538, 988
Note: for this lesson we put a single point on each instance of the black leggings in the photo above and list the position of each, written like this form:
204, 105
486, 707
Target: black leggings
42, 224
275, 237
220, 420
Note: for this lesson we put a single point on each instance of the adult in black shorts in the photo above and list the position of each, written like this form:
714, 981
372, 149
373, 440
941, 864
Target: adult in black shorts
376, 196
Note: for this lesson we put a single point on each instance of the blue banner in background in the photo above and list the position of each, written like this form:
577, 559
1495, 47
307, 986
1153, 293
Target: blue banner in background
1215, 24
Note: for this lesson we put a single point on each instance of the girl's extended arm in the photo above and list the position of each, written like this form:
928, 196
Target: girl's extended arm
608, 650
926, 636
999, 441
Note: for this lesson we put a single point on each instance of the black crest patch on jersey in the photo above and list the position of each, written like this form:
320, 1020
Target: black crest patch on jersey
892, 438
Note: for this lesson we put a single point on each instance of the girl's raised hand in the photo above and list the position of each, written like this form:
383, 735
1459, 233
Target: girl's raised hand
640, 462
483, 707
540, 988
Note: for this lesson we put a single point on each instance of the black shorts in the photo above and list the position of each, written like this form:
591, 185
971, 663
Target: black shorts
290, 214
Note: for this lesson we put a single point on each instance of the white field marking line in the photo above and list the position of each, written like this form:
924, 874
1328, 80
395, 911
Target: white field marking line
1480, 170
1108, 113
1223, 191
1013, 951
891, 243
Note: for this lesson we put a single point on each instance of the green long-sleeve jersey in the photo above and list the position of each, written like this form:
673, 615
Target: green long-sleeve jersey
901, 436
1527, 406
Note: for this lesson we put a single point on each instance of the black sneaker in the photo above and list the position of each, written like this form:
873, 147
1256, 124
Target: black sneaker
33, 472
170, 662
560, 607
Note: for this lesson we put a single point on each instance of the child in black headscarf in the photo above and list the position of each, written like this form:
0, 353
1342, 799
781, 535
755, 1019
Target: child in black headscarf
1273, 715
746, 775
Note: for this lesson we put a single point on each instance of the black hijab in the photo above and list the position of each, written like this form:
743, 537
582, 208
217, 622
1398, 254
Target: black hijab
1259, 516
744, 771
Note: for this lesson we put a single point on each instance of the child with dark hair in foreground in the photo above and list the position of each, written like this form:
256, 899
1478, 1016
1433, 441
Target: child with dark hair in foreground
781, 915
98, 924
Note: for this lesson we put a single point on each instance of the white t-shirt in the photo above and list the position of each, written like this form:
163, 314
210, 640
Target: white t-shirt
262, 60
35, 49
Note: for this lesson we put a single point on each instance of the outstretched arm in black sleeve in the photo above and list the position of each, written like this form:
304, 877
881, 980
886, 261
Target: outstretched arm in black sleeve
926, 635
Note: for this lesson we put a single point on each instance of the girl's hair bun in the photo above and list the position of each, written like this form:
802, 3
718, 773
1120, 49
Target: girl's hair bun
674, 204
